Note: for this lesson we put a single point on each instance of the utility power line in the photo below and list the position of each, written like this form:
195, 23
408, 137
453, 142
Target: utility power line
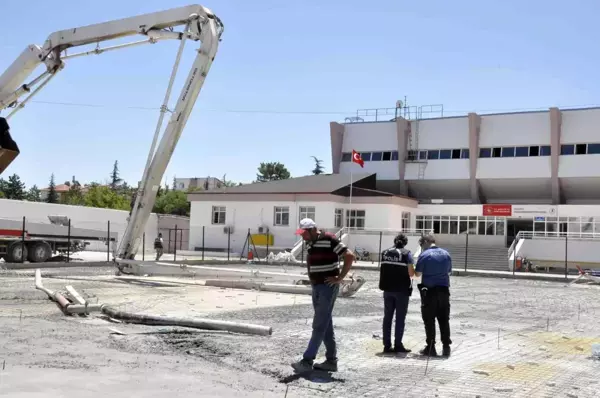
305, 112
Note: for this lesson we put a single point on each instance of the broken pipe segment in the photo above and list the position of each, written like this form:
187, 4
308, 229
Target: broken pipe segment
207, 324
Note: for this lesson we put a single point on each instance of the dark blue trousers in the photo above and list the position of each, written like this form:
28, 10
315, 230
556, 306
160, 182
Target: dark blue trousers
394, 302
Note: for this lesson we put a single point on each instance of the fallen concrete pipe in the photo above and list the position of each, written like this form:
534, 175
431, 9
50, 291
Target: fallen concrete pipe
348, 287
207, 324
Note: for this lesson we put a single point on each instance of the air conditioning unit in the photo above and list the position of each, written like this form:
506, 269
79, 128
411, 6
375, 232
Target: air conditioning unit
263, 229
228, 230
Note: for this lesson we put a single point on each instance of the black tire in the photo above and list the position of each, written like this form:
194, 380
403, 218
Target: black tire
16, 252
39, 252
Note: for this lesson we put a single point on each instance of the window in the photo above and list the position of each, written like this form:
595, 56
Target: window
422, 155
580, 149
306, 212
464, 153
218, 215
446, 154
366, 156
593, 149
454, 225
534, 150
456, 154
339, 218
567, 149
522, 151
405, 221
496, 152
545, 150
485, 152
387, 156
376, 157
355, 219
394, 155
508, 152
346, 157
411, 155
433, 155
281, 216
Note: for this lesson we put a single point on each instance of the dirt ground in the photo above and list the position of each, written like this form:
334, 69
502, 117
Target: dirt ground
511, 339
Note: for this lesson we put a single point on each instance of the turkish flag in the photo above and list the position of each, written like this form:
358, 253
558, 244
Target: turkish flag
357, 159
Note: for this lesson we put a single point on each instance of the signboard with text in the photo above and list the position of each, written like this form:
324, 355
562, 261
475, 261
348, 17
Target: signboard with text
500, 210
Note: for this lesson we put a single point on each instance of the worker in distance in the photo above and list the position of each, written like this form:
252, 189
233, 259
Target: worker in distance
324, 252
395, 280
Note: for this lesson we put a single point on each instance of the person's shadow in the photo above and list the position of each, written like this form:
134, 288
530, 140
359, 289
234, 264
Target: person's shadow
314, 376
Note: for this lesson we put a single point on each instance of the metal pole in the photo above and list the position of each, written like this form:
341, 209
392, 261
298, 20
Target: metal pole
466, 250
566, 255
23, 242
266, 255
228, 243
108, 243
69, 241
175, 245
379, 253
203, 231
144, 247
302, 253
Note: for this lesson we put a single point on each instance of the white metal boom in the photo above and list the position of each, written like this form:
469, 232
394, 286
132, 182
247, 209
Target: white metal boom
200, 25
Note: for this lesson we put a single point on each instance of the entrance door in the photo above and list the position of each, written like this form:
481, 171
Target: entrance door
514, 226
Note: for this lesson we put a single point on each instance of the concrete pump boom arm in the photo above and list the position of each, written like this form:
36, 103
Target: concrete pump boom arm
200, 24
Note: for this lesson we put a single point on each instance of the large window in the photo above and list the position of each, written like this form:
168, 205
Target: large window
306, 212
218, 215
474, 225
585, 227
355, 219
339, 218
281, 216
405, 221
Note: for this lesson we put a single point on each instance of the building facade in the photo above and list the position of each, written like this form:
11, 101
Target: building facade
544, 157
195, 183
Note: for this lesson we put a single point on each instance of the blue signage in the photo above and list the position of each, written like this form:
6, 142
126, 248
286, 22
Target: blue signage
539, 218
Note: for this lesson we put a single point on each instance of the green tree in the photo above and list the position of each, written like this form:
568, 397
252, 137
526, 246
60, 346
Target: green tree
34, 194
74, 196
2, 195
3, 187
272, 171
319, 169
174, 183
172, 202
106, 198
15, 188
115, 180
228, 183
52, 194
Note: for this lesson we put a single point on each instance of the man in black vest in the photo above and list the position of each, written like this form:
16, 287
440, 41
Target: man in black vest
395, 280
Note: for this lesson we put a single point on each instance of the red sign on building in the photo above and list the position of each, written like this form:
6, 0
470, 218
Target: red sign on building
497, 210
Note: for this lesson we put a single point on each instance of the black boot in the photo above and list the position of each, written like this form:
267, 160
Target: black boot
399, 348
446, 350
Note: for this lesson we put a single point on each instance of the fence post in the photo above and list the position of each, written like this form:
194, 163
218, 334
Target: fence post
69, 241
23, 242
379, 252
228, 243
144, 247
108, 243
175, 245
466, 250
203, 230
267, 255
566, 256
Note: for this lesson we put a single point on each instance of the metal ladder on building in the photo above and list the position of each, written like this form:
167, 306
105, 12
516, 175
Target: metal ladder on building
413, 143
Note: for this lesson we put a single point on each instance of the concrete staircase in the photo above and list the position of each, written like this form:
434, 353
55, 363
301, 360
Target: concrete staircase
491, 258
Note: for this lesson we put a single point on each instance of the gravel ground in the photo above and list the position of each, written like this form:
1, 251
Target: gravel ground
511, 339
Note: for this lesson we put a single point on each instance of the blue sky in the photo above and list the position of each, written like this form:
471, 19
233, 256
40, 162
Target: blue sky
323, 59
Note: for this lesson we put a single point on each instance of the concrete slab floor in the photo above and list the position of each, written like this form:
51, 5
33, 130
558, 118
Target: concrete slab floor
512, 338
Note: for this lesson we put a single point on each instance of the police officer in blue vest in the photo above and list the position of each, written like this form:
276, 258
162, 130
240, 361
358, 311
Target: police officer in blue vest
395, 280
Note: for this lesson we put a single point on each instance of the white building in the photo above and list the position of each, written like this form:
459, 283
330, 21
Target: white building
490, 176
205, 183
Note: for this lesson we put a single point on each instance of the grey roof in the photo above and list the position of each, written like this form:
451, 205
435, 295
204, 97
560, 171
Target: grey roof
324, 183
